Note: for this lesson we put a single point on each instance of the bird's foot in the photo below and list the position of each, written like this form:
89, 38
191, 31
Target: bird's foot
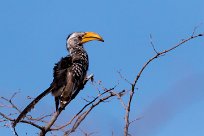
90, 77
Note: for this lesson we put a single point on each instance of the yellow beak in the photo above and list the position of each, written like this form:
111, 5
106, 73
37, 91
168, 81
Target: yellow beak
90, 36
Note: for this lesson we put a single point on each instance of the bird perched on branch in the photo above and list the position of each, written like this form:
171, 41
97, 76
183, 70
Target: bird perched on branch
69, 73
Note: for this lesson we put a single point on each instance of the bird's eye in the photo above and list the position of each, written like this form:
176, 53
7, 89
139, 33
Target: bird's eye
80, 38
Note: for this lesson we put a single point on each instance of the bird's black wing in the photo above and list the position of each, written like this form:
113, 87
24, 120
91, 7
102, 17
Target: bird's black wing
68, 80
60, 74
59, 78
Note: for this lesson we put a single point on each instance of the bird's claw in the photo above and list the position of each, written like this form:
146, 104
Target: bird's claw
90, 77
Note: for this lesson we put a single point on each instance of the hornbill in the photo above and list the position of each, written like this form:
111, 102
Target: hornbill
69, 73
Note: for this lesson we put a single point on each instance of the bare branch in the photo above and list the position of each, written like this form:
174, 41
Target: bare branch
104, 95
84, 114
120, 98
127, 114
83, 108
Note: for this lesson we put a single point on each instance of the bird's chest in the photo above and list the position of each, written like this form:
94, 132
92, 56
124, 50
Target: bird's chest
80, 65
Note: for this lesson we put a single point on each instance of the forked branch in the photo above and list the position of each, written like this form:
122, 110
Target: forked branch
133, 85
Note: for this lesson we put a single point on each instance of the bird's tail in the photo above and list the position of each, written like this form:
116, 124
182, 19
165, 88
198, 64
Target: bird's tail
31, 105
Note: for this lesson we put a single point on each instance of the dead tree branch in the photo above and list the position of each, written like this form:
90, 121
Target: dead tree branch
47, 122
133, 85
84, 114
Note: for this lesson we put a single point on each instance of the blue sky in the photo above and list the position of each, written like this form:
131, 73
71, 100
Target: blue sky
170, 97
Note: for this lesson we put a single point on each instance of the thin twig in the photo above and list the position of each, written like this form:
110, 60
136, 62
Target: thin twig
152, 43
195, 29
122, 77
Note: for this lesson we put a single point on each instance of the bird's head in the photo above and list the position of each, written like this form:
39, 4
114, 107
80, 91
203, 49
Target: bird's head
79, 38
